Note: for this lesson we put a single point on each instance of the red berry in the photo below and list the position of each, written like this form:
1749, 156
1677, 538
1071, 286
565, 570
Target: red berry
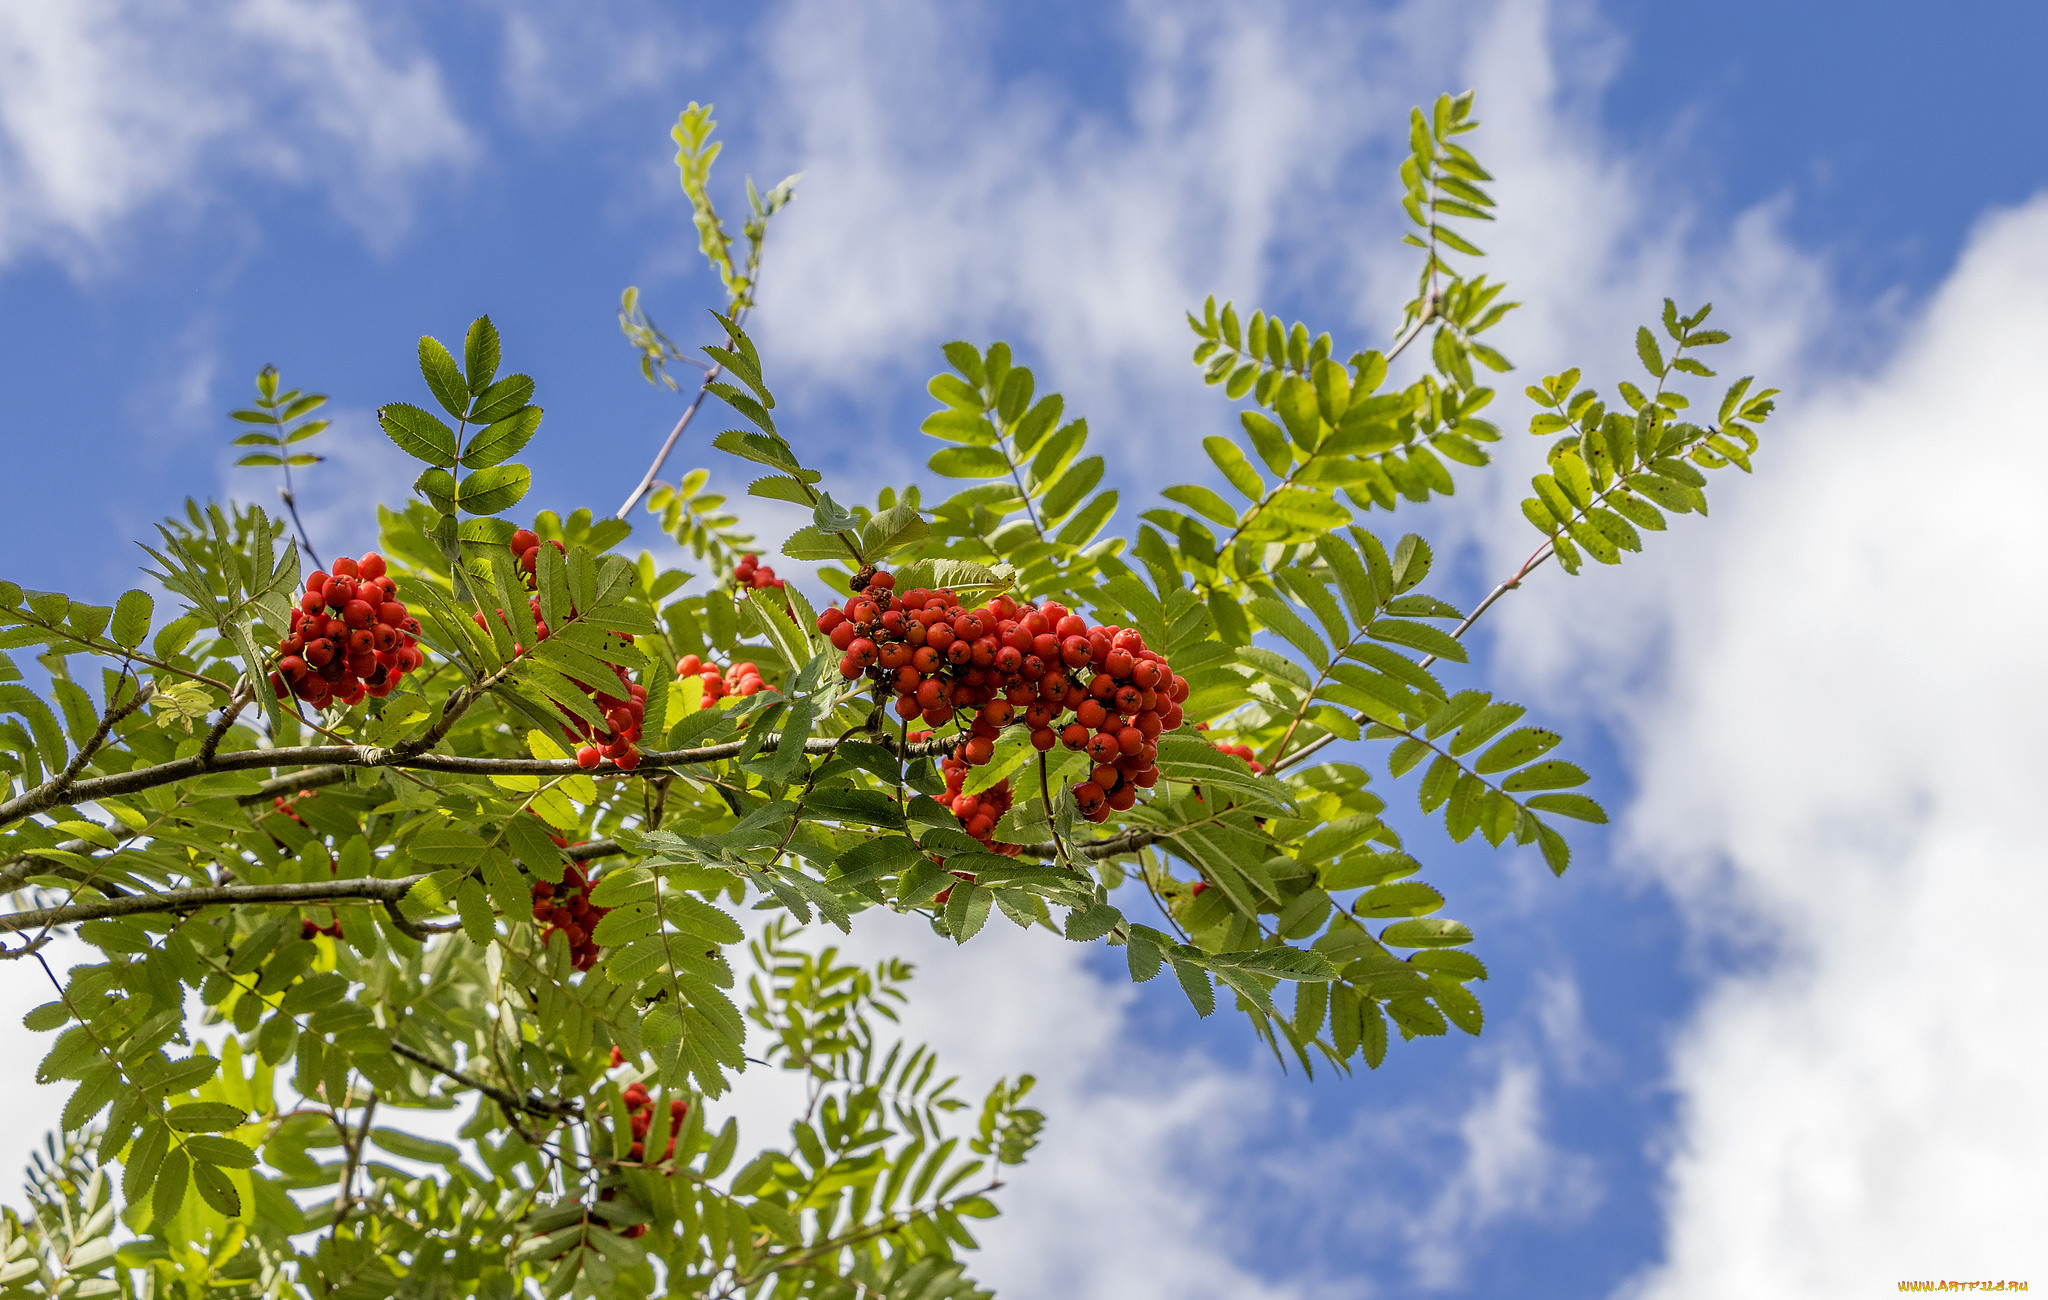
588, 757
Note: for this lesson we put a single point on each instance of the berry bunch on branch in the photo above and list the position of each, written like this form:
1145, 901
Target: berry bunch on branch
624, 711
350, 637
978, 812
1003, 663
566, 909
752, 575
741, 679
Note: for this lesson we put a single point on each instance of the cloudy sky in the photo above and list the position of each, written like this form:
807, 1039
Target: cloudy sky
1777, 1032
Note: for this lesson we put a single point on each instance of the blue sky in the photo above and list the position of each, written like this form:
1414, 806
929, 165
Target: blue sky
1727, 1051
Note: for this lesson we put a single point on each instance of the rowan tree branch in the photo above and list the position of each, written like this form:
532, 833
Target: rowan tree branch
674, 436
371, 888
343, 757
511, 1101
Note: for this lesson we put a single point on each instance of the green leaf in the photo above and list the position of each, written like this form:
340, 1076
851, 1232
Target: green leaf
1076, 483
480, 355
205, 1117
1570, 805
1235, 467
969, 462
1417, 636
418, 434
1553, 775
1410, 563
502, 399
899, 526
46, 1017
1282, 620
1203, 502
131, 618
444, 377
808, 543
1271, 443
501, 441
216, 1190
438, 487
762, 450
1425, 932
1403, 898
1092, 922
171, 1178
1515, 749
444, 844
495, 490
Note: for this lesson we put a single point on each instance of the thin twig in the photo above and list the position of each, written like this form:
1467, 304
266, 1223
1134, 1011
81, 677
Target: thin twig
1414, 331
1045, 793
242, 697
291, 503
344, 1200
674, 435
113, 716
544, 1106
1530, 565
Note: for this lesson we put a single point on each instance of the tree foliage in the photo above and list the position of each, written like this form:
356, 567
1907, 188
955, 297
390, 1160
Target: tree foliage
310, 929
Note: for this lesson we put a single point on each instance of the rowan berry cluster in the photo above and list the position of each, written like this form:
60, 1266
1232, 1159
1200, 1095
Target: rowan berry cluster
751, 573
623, 713
640, 1106
349, 637
1003, 662
289, 807
1244, 752
308, 928
979, 812
1236, 751
525, 547
567, 907
742, 678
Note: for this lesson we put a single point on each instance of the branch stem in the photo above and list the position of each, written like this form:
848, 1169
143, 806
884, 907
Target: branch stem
646, 483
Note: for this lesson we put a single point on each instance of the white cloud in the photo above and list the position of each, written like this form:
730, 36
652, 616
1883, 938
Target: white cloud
1859, 1101
1819, 787
1845, 766
1561, 1016
938, 202
560, 64
108, 108
1510, 1170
